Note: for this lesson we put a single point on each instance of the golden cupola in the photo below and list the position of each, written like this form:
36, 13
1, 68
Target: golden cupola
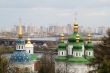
20, 30
62, 37
75, 27
77, 38
89, 37
29, 44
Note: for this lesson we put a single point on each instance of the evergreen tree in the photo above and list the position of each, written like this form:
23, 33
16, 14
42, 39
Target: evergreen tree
102, 55
3, 65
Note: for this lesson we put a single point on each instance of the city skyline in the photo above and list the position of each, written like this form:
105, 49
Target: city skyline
54, 12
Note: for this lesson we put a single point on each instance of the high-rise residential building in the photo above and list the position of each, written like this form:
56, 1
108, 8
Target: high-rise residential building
101, 30
69, 28
53, 30
30, 29
80, 29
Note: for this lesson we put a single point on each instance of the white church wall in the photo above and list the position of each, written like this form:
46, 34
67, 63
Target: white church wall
70, 49
20, 47
83, 49
89, 53
62, 53
29, 50
60, 67
77, 68
77, 53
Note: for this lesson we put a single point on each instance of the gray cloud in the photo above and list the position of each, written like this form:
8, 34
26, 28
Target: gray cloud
90, 12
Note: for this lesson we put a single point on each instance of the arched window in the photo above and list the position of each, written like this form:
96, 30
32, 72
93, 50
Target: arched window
89, 53
62, 53
76, 54
22, 47
19, 47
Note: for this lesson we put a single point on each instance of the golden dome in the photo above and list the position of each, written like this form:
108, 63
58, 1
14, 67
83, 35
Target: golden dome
77, 37
28, 41
89, 37
62, 37
29, 44
75, 28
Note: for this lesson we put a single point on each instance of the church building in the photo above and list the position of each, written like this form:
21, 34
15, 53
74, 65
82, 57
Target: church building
74, 55
23, 58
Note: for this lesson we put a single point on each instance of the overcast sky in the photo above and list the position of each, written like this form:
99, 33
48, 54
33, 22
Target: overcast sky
46, 12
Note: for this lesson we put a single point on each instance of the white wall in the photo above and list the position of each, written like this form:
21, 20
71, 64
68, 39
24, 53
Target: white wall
77, 68
61, 52
72, 68
70, 49
77, 53
20, 47
29, 48
83, 48
60, 67
89, 52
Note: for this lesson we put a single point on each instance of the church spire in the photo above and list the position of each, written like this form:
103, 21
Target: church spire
89, 37
62, 37
75, 27
77, 38
20, 30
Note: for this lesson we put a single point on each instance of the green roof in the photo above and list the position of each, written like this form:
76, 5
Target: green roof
77, 46
89, 46
72, 38
74, 60
89, 57
62, 45
61, 58
61, 48
78, 60
33, 57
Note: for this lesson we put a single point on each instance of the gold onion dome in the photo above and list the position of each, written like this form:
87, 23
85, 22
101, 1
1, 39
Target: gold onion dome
89, 44
89, 37
77, 37
29, 44
77, 44
61, 45
72, 38
75, 28
62, 37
